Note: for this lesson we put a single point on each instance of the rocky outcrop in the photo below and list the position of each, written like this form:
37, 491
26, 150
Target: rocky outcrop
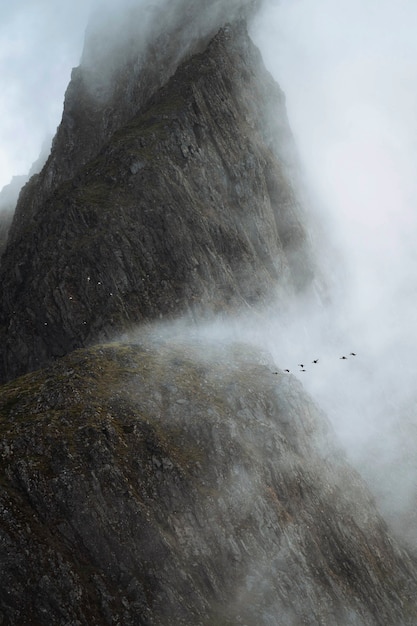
187, 209
176, 482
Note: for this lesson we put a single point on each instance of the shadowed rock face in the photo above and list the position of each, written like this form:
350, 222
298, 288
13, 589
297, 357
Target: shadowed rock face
171, 482
185, 210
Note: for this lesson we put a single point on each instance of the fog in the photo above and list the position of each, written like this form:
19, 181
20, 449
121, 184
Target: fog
348, 69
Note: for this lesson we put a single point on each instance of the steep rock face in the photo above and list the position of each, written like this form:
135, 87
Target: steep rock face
169, 483
144, 44
187, 209
6, 217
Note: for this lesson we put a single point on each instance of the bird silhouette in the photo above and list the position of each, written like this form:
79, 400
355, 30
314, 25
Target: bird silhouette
302, 370
315, 361
343, 357
300, 365
353, 354
287, 371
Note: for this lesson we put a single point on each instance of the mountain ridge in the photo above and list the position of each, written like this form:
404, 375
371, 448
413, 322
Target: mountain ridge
171, 477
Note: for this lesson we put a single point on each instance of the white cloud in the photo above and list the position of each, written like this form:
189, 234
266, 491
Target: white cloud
349, 72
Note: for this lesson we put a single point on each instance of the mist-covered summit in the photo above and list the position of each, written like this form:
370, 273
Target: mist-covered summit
167, 479
169, 197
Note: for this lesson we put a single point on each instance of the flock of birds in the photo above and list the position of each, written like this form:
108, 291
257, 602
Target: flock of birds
315, 361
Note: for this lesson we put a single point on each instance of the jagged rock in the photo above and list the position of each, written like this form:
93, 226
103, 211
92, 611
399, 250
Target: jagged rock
187, 209
179, 482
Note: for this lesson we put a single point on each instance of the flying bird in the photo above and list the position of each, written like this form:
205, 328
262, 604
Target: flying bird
315, 361
287, 371
353, 354
302, 370
300, 365
343, 357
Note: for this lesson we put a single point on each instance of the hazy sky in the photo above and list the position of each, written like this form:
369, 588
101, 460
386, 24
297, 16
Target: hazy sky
349, 71
40, 41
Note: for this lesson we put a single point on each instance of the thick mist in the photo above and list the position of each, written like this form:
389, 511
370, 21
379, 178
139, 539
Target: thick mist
39, 44
146, 33
348, 70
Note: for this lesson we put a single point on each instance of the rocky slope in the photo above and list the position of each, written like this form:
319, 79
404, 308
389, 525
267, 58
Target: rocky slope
186, 209
178, 482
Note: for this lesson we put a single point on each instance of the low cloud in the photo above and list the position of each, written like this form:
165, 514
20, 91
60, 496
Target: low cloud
348, 70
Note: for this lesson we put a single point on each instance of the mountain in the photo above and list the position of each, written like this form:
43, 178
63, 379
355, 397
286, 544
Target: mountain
152, 474
179, 481
186, 209
9, 195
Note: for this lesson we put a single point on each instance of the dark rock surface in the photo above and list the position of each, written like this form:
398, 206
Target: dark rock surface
187, 209
176, 482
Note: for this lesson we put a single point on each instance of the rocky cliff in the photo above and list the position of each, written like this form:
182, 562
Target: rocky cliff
174, 481
187, 208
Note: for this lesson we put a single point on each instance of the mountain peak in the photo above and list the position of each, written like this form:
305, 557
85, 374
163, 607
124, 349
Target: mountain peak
185, 209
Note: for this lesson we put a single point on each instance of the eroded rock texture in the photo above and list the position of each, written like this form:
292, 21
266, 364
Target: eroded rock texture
170, 482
